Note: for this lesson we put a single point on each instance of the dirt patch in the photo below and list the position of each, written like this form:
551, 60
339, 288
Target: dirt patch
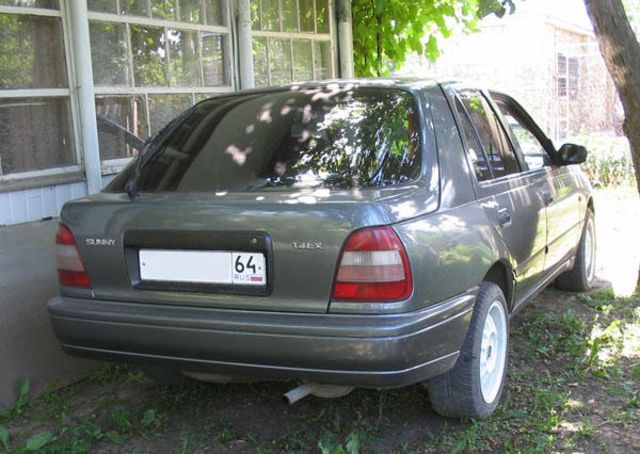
560, 396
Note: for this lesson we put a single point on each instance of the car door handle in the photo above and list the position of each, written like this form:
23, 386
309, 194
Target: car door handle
504, 217
548, 198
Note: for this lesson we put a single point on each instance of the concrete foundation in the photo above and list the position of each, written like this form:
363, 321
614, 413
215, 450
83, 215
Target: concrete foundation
28, 347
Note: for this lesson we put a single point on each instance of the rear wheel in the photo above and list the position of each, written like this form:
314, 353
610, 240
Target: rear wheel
580, 278
474, 386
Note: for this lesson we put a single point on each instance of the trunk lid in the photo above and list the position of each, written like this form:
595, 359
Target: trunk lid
300, 275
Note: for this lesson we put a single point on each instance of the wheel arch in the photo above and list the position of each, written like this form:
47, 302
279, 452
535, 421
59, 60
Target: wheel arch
500, 273
590, 205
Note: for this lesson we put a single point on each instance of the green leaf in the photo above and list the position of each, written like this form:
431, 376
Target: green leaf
4, 437
25, 386
354, 444
403, 25
149, 418
39, 441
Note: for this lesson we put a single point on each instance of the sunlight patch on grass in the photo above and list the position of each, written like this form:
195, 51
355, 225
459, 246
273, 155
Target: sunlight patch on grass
618, 255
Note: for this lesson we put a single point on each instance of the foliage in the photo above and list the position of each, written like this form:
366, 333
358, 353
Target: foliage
386, 31
608, 160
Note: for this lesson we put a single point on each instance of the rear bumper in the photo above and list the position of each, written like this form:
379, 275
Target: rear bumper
388, 350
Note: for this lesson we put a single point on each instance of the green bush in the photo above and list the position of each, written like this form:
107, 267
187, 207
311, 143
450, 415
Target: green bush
608, 159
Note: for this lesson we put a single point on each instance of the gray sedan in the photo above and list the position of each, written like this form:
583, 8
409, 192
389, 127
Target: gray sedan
341, 234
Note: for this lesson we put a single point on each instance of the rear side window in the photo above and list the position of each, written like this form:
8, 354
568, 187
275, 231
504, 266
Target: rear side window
316, 138
476, 153
502, 158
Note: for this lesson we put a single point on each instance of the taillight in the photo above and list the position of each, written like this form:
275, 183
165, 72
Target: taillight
71, 269
373, 267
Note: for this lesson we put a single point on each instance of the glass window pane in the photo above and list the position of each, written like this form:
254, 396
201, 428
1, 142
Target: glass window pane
134, 7
493, 139
164, 9
290, 15
122, 126
149, 64
192, 11
213, 12
255, 14
35, 134
474, 149
307, 17
361, 137
31, 52
103, 6
213, 67
534, 153
183, 55
49, 4
322, 15
280, 61
260, 62
302, 60
163, 109
109, 53
323, 60
269, 19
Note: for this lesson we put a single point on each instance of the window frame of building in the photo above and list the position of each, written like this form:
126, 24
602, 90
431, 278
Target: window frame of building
131, 89
567, 76
315, 37
65, 173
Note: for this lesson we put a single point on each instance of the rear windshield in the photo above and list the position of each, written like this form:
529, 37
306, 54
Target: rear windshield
365, 137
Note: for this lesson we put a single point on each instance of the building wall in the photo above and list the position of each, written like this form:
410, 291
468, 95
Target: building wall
519, 55
150, 59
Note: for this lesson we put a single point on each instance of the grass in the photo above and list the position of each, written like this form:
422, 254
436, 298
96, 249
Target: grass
573, 384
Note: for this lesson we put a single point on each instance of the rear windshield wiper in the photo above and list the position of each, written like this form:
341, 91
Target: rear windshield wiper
150, 149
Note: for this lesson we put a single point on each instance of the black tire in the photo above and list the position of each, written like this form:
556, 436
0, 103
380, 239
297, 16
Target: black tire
579, 278
458, 393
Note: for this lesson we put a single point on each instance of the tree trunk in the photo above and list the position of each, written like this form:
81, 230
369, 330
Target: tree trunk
621, 51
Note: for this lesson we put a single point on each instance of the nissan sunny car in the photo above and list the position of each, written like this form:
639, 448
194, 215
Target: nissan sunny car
364, 233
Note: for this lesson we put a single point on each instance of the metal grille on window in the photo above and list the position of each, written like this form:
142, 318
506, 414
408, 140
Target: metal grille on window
291, 41
151, 60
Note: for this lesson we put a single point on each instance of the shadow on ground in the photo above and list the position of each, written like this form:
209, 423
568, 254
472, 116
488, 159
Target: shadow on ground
574, 384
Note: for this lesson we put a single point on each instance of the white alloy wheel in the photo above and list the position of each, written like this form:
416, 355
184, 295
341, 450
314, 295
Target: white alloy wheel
493, 351
589, 252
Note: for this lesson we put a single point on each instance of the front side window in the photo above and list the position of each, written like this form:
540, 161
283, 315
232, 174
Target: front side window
534, 153
316, 138
502, 158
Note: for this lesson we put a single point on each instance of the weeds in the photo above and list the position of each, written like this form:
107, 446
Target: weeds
573, 370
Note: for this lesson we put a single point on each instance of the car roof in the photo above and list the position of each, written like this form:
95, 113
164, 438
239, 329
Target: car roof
397, 82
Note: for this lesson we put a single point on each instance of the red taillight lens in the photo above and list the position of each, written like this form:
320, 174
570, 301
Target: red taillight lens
71, 270
373, 267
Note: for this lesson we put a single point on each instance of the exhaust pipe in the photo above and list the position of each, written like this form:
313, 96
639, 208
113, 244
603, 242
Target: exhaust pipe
318, 390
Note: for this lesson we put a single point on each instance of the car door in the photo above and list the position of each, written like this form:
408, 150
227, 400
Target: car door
559, 195
511, 196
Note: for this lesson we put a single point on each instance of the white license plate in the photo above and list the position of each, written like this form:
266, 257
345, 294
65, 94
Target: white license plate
202, 267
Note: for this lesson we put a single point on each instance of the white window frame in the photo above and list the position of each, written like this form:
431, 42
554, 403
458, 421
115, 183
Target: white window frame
314, 36
74, 171
111, 166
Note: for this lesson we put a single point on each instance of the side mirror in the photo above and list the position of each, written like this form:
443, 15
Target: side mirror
570, 154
